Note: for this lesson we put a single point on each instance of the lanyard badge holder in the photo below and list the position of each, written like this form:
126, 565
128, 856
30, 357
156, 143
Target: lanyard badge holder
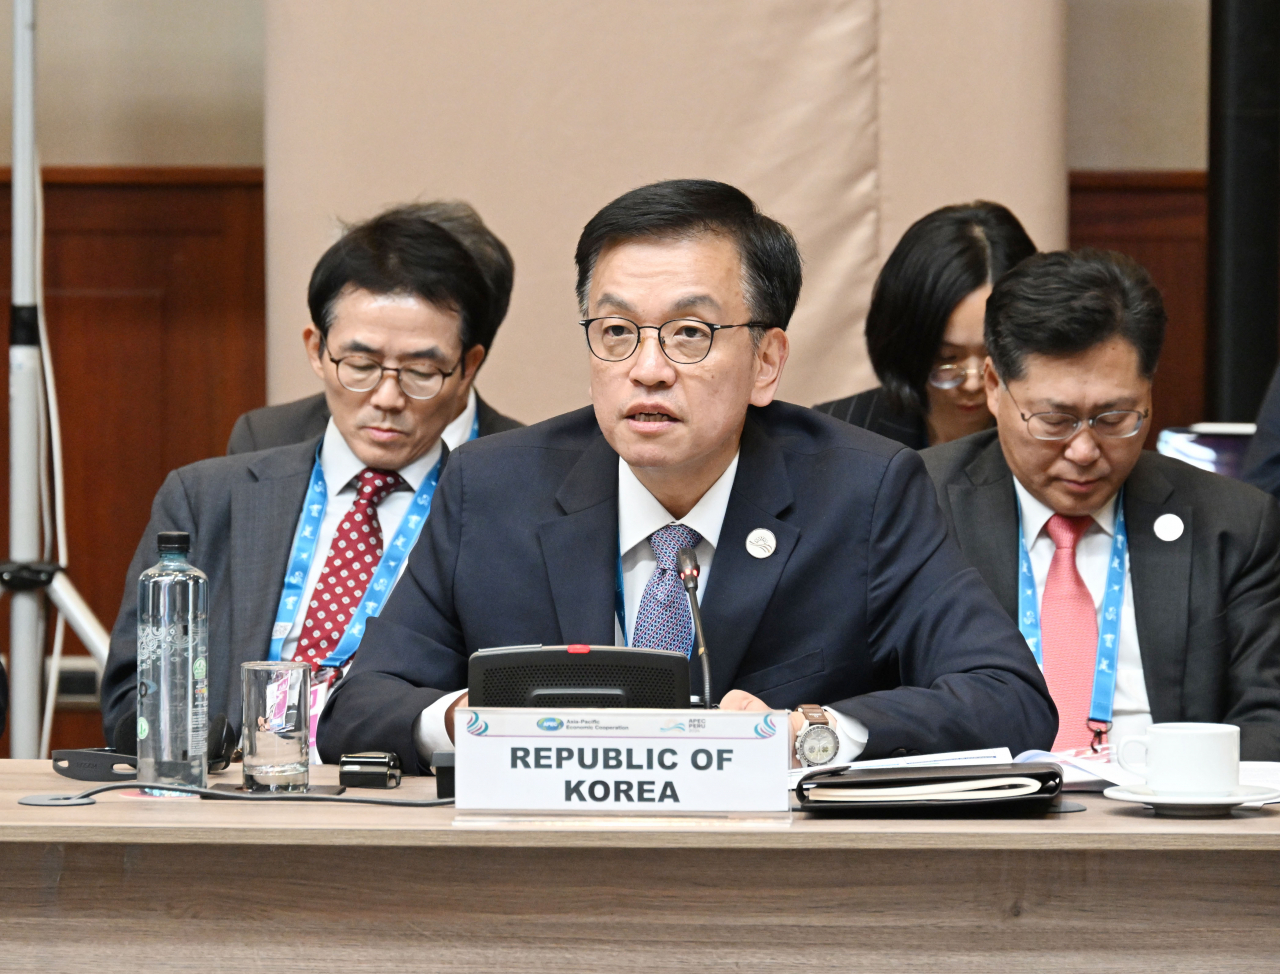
1102, 701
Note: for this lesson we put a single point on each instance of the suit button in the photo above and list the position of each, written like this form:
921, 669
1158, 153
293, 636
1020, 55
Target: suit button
900, 753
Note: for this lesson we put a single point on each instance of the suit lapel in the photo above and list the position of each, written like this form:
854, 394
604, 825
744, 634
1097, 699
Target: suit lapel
984, 513
580, 549
1161, 575
264, 515
741, 585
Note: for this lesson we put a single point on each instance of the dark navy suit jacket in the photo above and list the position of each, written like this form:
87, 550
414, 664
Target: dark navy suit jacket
867, 605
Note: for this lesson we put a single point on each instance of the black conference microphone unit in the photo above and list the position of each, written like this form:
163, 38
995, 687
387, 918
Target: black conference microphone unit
688, 562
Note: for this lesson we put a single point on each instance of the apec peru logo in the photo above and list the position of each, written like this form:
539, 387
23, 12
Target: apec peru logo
550, 724
766, 727
476, 726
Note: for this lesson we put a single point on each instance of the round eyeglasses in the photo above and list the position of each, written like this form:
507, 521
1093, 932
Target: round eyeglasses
358, 373
685, 341
954, 376
1113, 424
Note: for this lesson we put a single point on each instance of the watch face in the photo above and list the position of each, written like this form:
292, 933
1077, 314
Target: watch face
818, 745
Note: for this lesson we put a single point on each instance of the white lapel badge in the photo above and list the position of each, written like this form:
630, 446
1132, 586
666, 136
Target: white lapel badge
761, 543
1168, 527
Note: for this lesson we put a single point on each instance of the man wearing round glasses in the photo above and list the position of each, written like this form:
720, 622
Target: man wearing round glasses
827, 576
303, 542
1148, 590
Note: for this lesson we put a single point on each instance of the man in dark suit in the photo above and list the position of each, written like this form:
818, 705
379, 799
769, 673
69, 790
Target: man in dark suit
302, 419
401, 317
828, 574
1073, 342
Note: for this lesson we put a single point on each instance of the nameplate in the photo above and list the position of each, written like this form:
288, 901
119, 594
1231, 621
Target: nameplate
636, 762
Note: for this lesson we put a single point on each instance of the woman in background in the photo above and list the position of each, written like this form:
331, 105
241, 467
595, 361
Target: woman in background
924, 326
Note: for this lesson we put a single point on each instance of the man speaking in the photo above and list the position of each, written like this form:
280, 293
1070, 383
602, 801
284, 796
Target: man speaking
828, 577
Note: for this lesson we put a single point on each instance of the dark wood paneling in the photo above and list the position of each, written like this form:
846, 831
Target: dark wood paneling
1158, 219
155, 300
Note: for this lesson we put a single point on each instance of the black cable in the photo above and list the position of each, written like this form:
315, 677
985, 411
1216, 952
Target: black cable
264, 796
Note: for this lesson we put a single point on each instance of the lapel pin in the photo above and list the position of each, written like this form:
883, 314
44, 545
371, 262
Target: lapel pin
1168, 527
761, 543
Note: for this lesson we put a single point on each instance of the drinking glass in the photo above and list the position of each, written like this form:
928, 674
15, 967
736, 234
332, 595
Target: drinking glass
277, 701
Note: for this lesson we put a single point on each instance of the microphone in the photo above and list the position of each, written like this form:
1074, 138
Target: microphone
687, 562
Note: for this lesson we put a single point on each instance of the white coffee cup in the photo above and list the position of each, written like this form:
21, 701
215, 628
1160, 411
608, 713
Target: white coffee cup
1187, 759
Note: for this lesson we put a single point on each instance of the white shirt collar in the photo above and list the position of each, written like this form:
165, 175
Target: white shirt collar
459, 431
1035, 515
640, 513
341, 466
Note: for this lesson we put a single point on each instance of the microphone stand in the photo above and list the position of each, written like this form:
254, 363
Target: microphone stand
687, 561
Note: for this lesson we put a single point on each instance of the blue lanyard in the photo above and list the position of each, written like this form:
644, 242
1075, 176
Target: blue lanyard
619, 603
1104, 675
304, 548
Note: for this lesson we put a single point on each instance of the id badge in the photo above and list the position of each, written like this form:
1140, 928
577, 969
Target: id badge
319, 694
277, 703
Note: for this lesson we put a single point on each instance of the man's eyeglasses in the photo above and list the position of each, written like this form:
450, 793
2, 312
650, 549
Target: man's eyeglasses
953, 376
359, 373
685, 341
1114, 424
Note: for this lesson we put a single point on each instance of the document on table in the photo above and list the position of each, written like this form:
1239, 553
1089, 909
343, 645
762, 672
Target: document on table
994, 755
1088, 774
1084, 774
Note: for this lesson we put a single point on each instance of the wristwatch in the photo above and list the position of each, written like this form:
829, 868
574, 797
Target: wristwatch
817, 741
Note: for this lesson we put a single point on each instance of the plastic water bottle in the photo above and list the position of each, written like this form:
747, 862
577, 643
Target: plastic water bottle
173, 668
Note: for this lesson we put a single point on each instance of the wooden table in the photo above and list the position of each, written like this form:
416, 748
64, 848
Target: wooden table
135, 884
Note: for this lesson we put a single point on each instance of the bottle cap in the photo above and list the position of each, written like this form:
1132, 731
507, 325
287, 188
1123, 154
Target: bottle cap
174, 541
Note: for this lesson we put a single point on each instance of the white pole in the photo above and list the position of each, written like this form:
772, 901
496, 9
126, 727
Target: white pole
25, 650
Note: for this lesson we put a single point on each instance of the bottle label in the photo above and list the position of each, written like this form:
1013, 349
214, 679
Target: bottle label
143, 729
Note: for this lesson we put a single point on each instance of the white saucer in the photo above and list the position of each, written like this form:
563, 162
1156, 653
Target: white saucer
1192, 806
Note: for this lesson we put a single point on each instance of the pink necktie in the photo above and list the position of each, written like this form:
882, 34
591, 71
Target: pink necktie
1069, 634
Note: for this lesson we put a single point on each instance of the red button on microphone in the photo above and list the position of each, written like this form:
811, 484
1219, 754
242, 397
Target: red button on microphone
578, 648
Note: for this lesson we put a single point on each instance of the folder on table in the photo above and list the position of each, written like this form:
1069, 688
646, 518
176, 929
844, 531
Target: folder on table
936, 787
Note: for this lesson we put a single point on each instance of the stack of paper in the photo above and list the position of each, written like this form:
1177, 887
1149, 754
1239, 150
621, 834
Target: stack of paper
995, 755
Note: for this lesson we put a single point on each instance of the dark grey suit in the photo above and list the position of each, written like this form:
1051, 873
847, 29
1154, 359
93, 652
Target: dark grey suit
241, 513
303, 419
1207, 605
871, 411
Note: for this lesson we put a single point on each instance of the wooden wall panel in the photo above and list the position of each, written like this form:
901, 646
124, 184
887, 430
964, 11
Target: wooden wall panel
155, 300
1158, 219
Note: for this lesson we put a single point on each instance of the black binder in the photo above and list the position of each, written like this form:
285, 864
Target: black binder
991, 787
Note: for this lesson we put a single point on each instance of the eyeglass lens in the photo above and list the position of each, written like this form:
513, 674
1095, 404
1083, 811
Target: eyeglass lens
952, 376
1116, 424
361, 375
684, 340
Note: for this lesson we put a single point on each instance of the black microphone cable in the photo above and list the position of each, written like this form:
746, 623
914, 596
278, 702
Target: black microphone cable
86, 797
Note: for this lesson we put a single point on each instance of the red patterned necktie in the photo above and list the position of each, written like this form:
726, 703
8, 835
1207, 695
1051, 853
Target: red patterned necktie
1069, 634
353, 558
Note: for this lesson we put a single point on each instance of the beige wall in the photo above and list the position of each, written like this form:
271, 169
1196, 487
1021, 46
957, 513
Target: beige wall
972, 107
828, 112
143, 82
1138, 84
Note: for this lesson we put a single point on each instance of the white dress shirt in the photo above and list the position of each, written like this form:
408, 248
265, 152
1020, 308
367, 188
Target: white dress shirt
1132, 713
639, 515
341, 467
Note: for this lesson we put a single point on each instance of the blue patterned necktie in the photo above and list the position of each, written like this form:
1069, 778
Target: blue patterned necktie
663, 621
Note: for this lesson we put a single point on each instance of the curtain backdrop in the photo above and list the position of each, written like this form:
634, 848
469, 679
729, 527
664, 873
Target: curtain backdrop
845, 119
